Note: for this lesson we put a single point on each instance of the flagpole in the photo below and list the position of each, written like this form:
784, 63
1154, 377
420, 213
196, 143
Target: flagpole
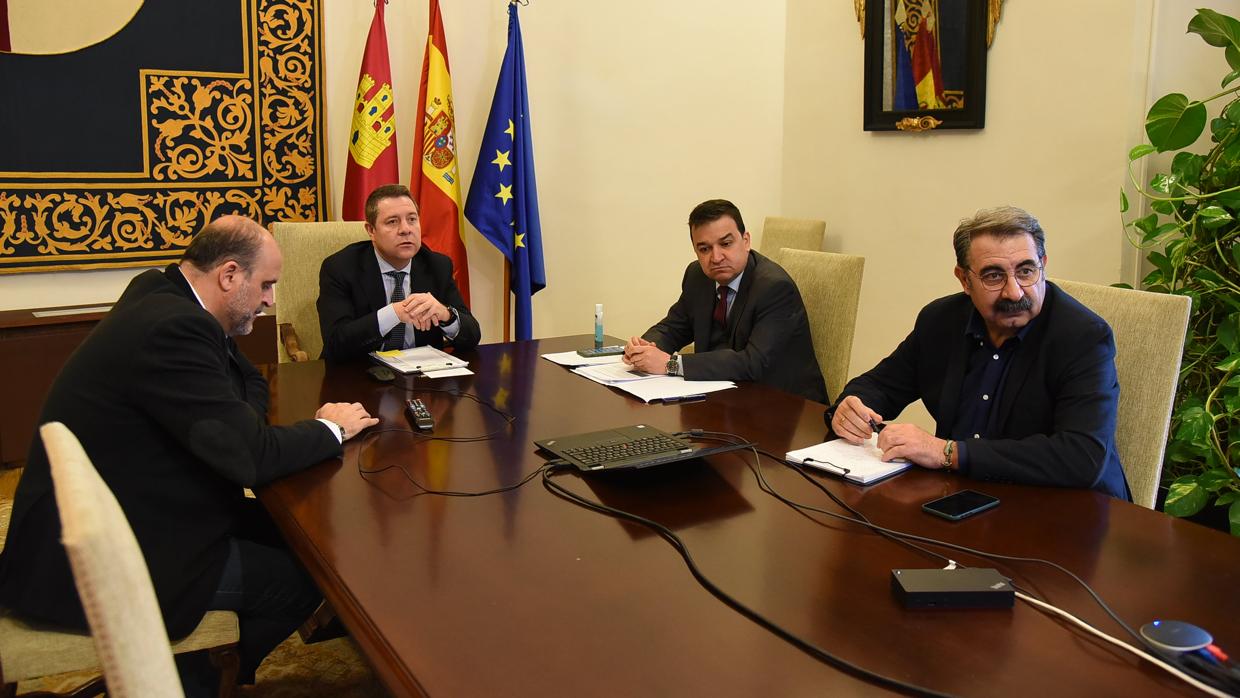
507, 300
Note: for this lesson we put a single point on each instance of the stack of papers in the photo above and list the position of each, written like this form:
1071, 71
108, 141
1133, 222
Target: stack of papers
428, 361
572, 358
648, 387
860, 463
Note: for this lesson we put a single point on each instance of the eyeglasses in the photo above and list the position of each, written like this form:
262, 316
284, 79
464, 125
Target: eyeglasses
995, 279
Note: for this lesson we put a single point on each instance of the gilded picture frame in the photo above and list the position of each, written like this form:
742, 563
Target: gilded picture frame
925, 63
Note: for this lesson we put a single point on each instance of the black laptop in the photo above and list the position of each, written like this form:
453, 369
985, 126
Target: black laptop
628, 448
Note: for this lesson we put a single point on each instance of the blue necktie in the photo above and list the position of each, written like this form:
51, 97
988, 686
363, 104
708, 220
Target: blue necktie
396, 338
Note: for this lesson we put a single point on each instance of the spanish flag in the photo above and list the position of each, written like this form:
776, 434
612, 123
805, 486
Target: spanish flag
436, 180
372, 157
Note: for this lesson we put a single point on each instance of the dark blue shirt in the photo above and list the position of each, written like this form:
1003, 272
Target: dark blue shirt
986, 370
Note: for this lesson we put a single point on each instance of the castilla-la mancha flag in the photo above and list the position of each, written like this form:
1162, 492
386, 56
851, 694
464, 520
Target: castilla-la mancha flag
372, 157
436, 180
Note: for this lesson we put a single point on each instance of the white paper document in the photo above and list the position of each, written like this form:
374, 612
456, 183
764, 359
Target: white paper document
861, 463
648, 387
613, 373
426, 360
572, 358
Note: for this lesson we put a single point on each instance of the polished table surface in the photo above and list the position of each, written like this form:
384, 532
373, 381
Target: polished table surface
522, 593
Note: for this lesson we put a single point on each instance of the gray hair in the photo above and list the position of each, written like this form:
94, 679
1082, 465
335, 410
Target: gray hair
1001, 222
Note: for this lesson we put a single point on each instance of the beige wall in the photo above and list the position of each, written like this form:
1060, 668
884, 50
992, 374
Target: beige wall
642, 109
1065, 89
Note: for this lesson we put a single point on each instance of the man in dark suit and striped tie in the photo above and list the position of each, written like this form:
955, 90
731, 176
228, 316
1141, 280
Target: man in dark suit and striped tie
742, 312
392, 292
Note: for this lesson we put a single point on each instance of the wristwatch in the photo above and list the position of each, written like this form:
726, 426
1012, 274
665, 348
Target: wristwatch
948, 449
343, 437
452, 317
673, 365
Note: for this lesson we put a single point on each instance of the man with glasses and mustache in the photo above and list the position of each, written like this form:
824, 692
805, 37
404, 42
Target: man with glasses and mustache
1018, 375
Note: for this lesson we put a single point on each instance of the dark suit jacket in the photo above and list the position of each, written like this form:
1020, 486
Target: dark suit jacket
174, 419
351, 292
1059, 402
768, 339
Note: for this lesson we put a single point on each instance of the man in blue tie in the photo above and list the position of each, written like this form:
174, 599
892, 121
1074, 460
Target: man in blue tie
391, 292
742, 312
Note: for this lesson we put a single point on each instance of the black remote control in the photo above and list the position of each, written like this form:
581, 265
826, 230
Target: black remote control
421, 416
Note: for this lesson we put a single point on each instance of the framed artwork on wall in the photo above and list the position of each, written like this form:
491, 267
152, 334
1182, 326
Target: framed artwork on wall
925, 62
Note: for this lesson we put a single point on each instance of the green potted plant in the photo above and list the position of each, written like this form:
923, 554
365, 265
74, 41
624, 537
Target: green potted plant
1192, 233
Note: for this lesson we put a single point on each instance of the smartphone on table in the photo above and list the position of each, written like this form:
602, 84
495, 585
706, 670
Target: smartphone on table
960, 505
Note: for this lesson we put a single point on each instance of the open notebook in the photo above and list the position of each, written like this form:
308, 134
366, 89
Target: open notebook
861, 463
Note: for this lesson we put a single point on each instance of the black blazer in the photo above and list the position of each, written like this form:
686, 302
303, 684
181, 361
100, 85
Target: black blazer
768, 339
174, 419
1058, 408
351, 292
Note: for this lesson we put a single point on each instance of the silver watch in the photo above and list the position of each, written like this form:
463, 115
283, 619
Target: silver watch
673, 365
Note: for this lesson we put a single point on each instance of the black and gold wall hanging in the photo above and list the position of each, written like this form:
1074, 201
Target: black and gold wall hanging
116, 154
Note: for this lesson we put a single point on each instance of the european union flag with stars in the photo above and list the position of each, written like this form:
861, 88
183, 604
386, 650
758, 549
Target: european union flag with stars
503, 198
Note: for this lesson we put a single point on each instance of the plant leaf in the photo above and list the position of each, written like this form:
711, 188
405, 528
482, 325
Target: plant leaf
1231, 363
1214, 216
1185, 497
1174, 122
1163, 182
1194, 427
1220, 128
1230, 78
1232, 54
1141, 151
1187, 168
1164, 207
1123, 202
1228, 333
1214, 479
1227, 498
1216, 28
1209, 278
1233, 517
1146, 224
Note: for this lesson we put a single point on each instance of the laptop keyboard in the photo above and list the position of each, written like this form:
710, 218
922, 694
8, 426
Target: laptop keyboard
608, 453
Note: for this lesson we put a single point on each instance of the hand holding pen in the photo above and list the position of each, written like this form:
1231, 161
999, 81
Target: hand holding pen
854, 422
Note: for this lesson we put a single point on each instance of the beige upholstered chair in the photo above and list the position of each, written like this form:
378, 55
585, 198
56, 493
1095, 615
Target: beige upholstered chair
305, 246
830, 285
1149, 341
127, 637
793, 233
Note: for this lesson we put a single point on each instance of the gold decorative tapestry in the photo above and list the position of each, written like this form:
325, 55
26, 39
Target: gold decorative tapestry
115, 155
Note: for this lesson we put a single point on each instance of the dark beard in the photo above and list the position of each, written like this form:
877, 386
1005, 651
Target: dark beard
1006, 306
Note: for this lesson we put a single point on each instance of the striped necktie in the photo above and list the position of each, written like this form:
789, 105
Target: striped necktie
396, 338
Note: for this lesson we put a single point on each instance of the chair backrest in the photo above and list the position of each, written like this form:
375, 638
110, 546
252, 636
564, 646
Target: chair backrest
830, 285
1149, 341
792, 233
305, 246
110, 573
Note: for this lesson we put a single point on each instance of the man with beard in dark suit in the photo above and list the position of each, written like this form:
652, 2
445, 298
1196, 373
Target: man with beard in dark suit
1018, 375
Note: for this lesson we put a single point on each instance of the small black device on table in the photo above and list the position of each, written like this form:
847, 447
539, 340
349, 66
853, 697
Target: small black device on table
960, 505
419, 415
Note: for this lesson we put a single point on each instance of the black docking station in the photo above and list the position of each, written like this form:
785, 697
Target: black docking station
974, 587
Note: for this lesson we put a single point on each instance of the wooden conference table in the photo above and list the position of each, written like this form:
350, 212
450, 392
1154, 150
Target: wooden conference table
522, 593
